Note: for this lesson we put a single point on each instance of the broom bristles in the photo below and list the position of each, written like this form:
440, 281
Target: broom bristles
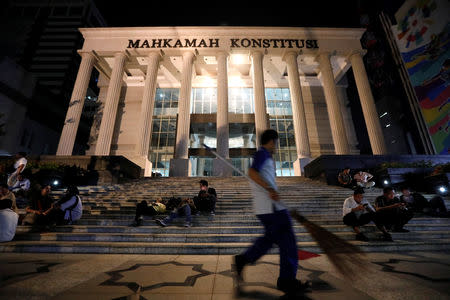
346, 257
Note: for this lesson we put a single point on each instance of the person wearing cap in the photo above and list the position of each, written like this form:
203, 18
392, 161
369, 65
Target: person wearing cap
357, 212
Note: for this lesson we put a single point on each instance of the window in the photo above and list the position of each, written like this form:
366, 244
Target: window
240, 101
278, 102
204, 101
164, 129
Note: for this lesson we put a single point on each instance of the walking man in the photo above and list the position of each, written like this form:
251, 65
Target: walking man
275, 218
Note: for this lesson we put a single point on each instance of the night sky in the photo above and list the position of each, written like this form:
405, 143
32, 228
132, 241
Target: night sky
312, 13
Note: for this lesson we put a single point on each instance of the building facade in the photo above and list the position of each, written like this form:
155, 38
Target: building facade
166, 91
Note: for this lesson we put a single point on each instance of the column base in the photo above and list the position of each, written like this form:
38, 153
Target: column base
220, 169
300, 164
180, 167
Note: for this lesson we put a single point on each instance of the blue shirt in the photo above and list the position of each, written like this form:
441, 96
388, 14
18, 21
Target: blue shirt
264, 164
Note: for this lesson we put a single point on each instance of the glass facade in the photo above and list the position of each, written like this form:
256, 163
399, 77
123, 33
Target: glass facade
204, 101
164, 128
278, 102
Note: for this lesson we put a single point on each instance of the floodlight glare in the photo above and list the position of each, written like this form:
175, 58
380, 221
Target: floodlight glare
56, 182
442, 189
386, 182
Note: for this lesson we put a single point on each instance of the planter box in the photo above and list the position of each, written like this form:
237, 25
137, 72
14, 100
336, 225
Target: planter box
412, 177
432, 183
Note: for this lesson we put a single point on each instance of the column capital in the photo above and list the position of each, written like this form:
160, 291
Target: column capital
189, 55
290, 53
360, 52
257, 53
155, 54
222, 53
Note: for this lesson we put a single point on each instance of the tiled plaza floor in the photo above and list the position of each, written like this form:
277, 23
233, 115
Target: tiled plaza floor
418, 275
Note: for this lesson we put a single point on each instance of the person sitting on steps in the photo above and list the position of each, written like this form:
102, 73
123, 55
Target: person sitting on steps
393, 213
206, 199
185, 208
418, 203
358, 212
143, 209
345, 178
363, 179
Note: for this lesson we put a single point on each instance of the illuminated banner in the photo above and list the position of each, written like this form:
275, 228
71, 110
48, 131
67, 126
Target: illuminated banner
215, 43
423, 38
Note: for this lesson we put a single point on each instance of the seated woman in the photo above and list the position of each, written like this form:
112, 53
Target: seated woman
143, 209
68, 209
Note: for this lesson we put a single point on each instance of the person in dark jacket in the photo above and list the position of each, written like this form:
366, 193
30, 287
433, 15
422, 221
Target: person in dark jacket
206, 198
392, 212
418, 203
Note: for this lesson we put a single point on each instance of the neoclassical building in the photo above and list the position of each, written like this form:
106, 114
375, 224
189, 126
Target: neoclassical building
165, 91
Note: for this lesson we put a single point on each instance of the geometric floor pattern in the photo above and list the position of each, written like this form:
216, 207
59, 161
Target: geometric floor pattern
69, 276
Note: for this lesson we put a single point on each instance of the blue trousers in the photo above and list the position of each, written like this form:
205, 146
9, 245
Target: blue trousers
182, 211
278, 230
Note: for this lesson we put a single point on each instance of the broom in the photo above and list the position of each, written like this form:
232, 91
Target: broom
347, 258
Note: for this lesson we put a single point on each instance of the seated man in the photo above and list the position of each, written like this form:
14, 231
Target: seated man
206, 199
143, 209
345, 178
8, 220
363, 179
357, 212
40, 203
393, 213
22, 185
418, 203
185, 208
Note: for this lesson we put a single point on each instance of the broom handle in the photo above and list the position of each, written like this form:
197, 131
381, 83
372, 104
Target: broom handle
234, 168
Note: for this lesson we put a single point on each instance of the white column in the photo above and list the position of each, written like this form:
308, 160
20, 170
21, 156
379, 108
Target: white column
259, 94
69, 132
110, 111
368, 105
298, 114
179, 165
219, 168
148, 99
222, 105
333, 106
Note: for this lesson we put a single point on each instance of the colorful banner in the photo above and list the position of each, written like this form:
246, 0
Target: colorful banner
423, 38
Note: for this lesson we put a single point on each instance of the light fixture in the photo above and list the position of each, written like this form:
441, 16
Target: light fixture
56, 182
385, 182
442, 189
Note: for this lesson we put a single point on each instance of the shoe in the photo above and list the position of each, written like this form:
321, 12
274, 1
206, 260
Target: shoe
161, 223
292, 286
187, 224
387, 237
136, 223
239, 264
361, 237
213, 213
400, 230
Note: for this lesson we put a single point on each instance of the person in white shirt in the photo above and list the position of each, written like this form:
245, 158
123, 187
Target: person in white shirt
19, 166
357, 212
363, 179
68, 209
22, 184
8, 217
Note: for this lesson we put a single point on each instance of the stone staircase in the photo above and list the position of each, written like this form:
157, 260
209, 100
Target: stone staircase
109, 210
